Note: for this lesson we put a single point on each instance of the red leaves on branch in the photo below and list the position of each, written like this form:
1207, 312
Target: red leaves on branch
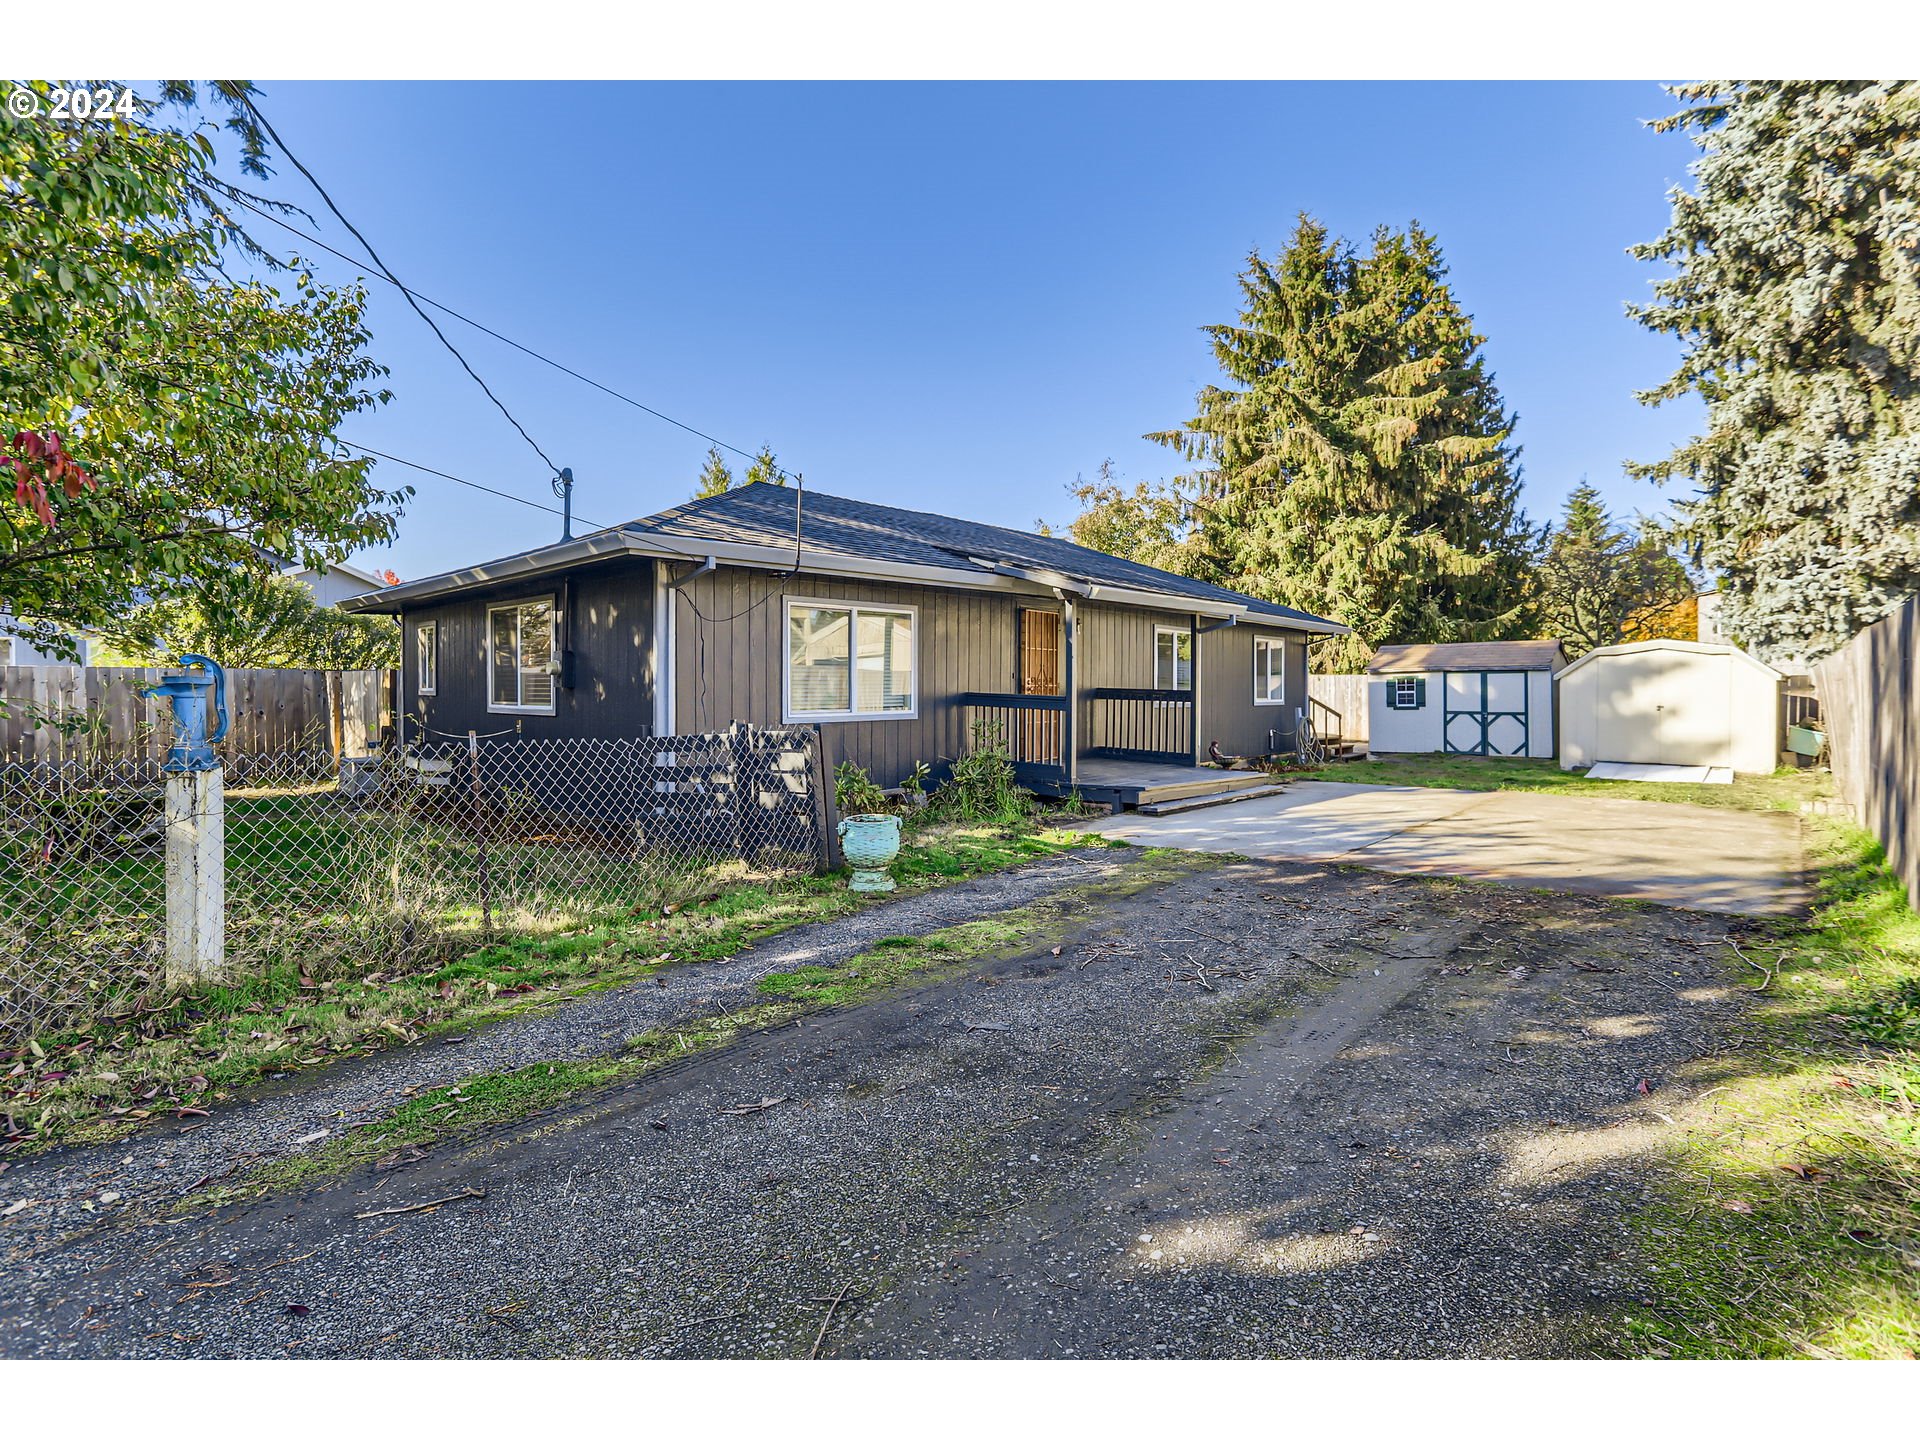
40, 462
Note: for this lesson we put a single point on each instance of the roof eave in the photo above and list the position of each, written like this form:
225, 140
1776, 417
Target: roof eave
645, 545
649, 545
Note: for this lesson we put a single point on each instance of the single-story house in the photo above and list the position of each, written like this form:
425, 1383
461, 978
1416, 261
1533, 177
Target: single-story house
1670, 702
1491, 697
897, 632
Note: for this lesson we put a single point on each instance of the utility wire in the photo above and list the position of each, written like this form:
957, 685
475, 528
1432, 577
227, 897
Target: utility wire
385, 270
508, 340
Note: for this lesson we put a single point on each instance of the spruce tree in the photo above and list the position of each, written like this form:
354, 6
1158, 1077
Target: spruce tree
1796, 294
1600, 583
715, 477
1358, 462
766, 468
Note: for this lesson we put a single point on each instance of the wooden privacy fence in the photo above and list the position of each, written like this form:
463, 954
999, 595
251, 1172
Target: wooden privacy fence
1346, 695
1870, 697
74, 712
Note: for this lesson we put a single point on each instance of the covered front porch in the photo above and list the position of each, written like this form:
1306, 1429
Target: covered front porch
1130, 747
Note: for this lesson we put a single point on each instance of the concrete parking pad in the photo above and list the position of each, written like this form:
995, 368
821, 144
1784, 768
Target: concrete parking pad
1684, 855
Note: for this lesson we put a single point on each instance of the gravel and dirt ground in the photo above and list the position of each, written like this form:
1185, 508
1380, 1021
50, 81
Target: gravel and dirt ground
1260, 1109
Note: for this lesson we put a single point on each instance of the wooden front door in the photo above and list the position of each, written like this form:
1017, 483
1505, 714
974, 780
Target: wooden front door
1040, 674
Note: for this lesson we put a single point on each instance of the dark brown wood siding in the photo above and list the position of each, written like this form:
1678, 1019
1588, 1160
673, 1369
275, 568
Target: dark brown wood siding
733, 669
607, 621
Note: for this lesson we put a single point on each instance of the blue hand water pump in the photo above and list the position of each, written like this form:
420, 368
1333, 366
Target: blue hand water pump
192, 710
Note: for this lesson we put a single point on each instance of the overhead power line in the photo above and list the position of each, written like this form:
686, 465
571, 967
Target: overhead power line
386, 270
484, 329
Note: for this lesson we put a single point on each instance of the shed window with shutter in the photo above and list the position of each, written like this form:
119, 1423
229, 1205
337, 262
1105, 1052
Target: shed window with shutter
1408, 693
849, 662
520, 657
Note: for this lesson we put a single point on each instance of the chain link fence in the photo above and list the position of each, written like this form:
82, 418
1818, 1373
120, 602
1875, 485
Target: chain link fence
390, 863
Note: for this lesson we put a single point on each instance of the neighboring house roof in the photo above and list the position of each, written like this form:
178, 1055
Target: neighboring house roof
1468, 655
1683, 647
754, 524
337, 567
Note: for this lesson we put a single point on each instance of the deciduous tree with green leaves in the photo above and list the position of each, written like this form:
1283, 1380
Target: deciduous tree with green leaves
199, 410
244, 622
1795, 292
1356, 462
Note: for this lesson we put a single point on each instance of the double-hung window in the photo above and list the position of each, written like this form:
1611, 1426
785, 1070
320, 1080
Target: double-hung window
520, 657
1269, 671
1172, 658
426, 657
850, 662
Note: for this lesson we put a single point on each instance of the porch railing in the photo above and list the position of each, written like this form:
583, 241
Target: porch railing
1149, 725
1032, 727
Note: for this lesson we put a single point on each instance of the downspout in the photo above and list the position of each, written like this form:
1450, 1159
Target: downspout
666, 640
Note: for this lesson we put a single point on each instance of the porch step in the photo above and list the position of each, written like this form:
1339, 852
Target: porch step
1205, 802
1200, 782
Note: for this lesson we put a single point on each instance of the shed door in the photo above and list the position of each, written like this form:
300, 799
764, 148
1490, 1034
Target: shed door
1486, 712
1663, 707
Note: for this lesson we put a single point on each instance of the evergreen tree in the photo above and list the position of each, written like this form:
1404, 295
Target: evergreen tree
1796, 295
765, 467
1358, 461
1600, 583
715, 477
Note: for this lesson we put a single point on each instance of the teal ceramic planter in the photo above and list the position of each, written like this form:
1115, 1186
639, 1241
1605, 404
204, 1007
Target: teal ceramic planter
870, 842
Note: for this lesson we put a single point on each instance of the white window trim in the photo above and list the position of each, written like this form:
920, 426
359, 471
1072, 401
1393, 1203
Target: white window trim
790, 716
1413, 702
1160, 630
1278, 643
553, 636
421, 687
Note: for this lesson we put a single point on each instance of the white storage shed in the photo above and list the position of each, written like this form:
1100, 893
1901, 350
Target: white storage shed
1490, 697
1670, 702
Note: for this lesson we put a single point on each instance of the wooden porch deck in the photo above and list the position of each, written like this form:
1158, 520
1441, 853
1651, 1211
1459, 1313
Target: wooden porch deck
1127, 784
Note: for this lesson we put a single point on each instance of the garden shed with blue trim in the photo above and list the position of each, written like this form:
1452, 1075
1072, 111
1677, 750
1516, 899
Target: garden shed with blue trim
1492, 697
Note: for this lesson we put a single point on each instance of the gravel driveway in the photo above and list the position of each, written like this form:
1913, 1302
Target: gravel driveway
1268, 1109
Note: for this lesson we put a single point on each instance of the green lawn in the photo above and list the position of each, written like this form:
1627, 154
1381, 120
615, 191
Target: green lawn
1782, 790
1793, 1226
300, 999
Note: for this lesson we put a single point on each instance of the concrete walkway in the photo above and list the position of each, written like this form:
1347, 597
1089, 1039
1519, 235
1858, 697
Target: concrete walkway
1684, 855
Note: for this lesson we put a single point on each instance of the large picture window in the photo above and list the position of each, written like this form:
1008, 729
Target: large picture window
1269, 671
520, 657
849, 662
1172, 658
426, 655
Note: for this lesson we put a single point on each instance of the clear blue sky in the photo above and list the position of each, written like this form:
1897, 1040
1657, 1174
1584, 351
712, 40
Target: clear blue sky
951, 297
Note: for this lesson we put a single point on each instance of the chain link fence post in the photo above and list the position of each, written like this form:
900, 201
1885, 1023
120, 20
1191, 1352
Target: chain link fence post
478, 800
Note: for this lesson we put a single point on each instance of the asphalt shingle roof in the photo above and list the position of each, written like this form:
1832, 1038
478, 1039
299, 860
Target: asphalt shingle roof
1467, 655
762, 514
